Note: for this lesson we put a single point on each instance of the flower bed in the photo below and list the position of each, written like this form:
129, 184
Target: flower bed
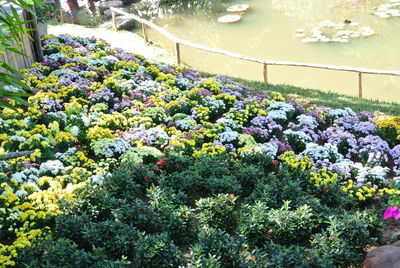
140, 162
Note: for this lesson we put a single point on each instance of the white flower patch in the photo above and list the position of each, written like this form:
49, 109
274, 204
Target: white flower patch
74, 130
86, 120
278, 115
51, 166
326, 152
150, 87
99, 179
158, 136
228, 136
307, 121
17, 138
337, 113
70, 151
21, 193
28, 175
228, 123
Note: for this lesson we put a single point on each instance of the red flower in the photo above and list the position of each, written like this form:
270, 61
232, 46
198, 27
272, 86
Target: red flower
161, 163
276, 162
146, 178
332, 237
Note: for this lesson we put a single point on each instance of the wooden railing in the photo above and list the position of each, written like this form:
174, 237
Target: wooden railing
178, 42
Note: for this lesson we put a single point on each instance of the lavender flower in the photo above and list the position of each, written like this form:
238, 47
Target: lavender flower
364, 128
373, 149
344, 141
395, 153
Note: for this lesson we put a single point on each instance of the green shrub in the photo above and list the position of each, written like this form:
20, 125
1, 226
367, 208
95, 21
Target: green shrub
216, 248
283, 226
64, 253
218, 212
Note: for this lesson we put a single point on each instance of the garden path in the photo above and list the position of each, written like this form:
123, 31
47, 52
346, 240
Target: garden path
128, 41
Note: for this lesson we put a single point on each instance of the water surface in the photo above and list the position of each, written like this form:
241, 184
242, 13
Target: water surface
268, 31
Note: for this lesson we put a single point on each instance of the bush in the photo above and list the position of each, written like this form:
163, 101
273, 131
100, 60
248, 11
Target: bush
65, 253
282, 226
216, 247
218, 212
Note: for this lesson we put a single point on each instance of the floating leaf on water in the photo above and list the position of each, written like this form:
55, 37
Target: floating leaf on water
342, 32
388, 10
393, 12
238, 8
309, 40
229, 19
384, 16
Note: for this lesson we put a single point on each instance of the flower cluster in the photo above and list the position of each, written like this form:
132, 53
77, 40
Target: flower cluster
95, 107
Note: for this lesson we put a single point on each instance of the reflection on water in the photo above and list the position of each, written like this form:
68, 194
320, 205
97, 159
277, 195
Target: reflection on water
268, 31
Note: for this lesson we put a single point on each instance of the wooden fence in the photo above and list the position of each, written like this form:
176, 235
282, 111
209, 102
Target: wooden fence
31, 49
265, 63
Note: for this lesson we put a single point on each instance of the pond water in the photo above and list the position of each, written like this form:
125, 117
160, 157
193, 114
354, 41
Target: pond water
268, 31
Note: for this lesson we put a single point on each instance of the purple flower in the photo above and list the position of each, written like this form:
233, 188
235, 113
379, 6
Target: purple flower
364, 128
282, 146
259, 134
266, 123
373, 149
105, 95
317, 115
346, 122
344, 141
392, 212
395, 153
366, 116
224, 79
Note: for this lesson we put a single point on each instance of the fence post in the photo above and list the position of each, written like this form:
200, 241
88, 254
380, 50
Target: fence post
61, 14
360, 93
114, 20
177, 53
265, 72
144, 31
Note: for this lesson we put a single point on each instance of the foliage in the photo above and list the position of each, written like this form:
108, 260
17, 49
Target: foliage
12, 30
47, 11
141, 162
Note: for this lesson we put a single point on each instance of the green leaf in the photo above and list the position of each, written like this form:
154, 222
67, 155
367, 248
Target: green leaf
6, 105
10, 69
20, 101
6, 93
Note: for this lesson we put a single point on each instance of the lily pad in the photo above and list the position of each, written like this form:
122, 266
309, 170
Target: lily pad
328, 31
229, 19
238, 8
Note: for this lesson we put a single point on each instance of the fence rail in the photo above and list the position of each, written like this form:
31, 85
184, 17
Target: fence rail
178, 42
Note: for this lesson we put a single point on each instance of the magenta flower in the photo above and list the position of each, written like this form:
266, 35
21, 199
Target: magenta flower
392, 212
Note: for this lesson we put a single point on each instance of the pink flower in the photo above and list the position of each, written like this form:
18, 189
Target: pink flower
392, 212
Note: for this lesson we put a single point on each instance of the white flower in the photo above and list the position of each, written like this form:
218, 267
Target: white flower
18, 138
86, 120
52, 166
75, 130
20, 193
18, 176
